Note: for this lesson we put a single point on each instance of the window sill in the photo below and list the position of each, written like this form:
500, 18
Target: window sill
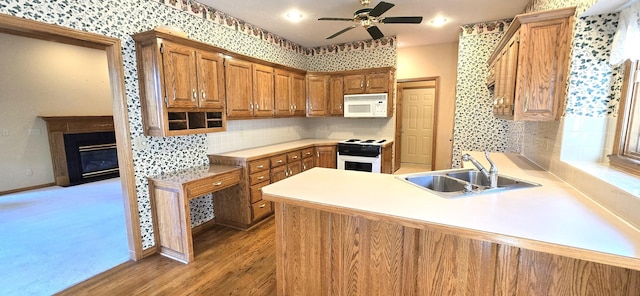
622, 180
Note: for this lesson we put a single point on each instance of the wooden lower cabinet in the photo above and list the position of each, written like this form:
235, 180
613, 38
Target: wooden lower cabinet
242, 207
326, 156
324, 253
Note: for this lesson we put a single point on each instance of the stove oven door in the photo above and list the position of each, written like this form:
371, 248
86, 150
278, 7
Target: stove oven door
359, 163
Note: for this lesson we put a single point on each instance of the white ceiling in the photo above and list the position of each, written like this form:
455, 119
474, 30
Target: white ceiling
309, 32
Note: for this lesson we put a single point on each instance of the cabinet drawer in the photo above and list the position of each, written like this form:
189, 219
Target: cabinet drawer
259, 177
307, 152
278, 160
211, 184
260, 209
256, 192
294, 156
258, 165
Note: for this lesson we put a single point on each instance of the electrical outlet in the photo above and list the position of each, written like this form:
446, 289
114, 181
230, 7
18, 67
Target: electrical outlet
5, 132
29, 172
34, 131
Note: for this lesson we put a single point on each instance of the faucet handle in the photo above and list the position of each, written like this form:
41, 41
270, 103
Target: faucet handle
493, 168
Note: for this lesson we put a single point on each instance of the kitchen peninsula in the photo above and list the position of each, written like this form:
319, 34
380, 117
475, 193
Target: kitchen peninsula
354, 233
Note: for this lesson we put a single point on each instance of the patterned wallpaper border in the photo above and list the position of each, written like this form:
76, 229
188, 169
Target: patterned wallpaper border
211, 14
497, 26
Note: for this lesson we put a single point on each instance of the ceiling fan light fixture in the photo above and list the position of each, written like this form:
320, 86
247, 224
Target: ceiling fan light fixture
293, 15
438, 21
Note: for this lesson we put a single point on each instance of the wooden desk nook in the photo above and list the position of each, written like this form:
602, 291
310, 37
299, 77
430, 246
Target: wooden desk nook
170, 195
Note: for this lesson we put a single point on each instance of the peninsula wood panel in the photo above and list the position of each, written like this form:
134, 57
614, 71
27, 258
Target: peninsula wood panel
324, 253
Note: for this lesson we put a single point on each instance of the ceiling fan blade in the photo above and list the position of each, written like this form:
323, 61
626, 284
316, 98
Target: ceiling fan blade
342, 31
335, 19
375, 32
402, 20
381, 8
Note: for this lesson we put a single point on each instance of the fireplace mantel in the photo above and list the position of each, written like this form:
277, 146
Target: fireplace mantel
58, 126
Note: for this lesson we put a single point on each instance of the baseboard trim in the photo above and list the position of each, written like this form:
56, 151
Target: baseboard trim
202, 227
26, 189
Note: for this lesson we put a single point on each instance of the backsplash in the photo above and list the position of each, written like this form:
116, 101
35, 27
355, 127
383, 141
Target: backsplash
243, 134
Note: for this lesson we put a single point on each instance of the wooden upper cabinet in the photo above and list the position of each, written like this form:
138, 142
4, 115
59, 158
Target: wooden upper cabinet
283, 93
367, 83
211, 90
317, 95
354, 84
263, 91
531, 66
180, 81
239, 87
181, 85
299, 95
336, 95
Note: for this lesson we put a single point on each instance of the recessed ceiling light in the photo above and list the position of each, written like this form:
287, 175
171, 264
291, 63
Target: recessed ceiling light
438, 21
293, 15
400, 44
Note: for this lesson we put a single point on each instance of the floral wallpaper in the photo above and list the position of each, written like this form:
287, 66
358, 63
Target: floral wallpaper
121, 19
475, 127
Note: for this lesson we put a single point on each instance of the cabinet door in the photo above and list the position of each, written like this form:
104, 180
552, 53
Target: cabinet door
239, 86
541, 78
299, 95
210, 80
294, 167
180, 83
377, 83
283, 92
336, 95
317, 95
263, 93
308, 163
354, 84
279, 173
326, 156
510, 63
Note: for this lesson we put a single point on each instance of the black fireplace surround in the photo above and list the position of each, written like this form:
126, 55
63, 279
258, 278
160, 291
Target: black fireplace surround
91, 156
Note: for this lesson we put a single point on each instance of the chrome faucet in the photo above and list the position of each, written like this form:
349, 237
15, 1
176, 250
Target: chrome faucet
491, 175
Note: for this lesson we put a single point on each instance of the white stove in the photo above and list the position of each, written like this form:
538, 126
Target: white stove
360, 155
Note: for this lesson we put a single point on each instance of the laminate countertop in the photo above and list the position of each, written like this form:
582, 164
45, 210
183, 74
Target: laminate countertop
280, 148
553, 218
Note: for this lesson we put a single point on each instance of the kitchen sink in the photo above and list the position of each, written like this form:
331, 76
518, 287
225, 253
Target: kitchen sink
460, 183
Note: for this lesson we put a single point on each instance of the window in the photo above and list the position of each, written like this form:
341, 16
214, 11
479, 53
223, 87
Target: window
626, 149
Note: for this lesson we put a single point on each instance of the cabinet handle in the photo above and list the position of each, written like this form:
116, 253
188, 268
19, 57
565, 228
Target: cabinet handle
295, 107
295, 157
304, 167
251, 106
218, 183
361, 84
260, 166
279, 161
257, 106
204, 95
286, 173
263, 205
261, 177
367, 83
290, 173
195, 95
318, 154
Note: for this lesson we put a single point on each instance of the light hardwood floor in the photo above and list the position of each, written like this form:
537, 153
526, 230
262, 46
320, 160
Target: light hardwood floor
227, 262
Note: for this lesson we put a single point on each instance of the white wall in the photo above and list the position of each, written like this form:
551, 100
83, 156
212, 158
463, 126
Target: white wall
42, 78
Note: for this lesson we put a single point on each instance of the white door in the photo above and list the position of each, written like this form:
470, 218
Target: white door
417, 125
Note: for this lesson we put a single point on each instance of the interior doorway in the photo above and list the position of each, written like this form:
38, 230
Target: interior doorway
416, 123
112, 47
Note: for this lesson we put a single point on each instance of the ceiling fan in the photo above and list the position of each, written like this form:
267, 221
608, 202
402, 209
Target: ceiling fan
367, 17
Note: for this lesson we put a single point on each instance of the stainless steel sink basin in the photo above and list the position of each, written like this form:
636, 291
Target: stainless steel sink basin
459, 183
440, 183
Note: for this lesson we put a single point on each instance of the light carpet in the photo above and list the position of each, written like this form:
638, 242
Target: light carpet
55, 237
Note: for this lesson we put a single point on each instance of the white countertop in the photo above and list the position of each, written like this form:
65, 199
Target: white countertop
539, 218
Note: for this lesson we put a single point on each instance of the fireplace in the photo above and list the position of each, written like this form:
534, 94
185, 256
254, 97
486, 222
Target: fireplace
83, 148
91, 156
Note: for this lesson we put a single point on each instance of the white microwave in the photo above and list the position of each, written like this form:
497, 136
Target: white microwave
365, 105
